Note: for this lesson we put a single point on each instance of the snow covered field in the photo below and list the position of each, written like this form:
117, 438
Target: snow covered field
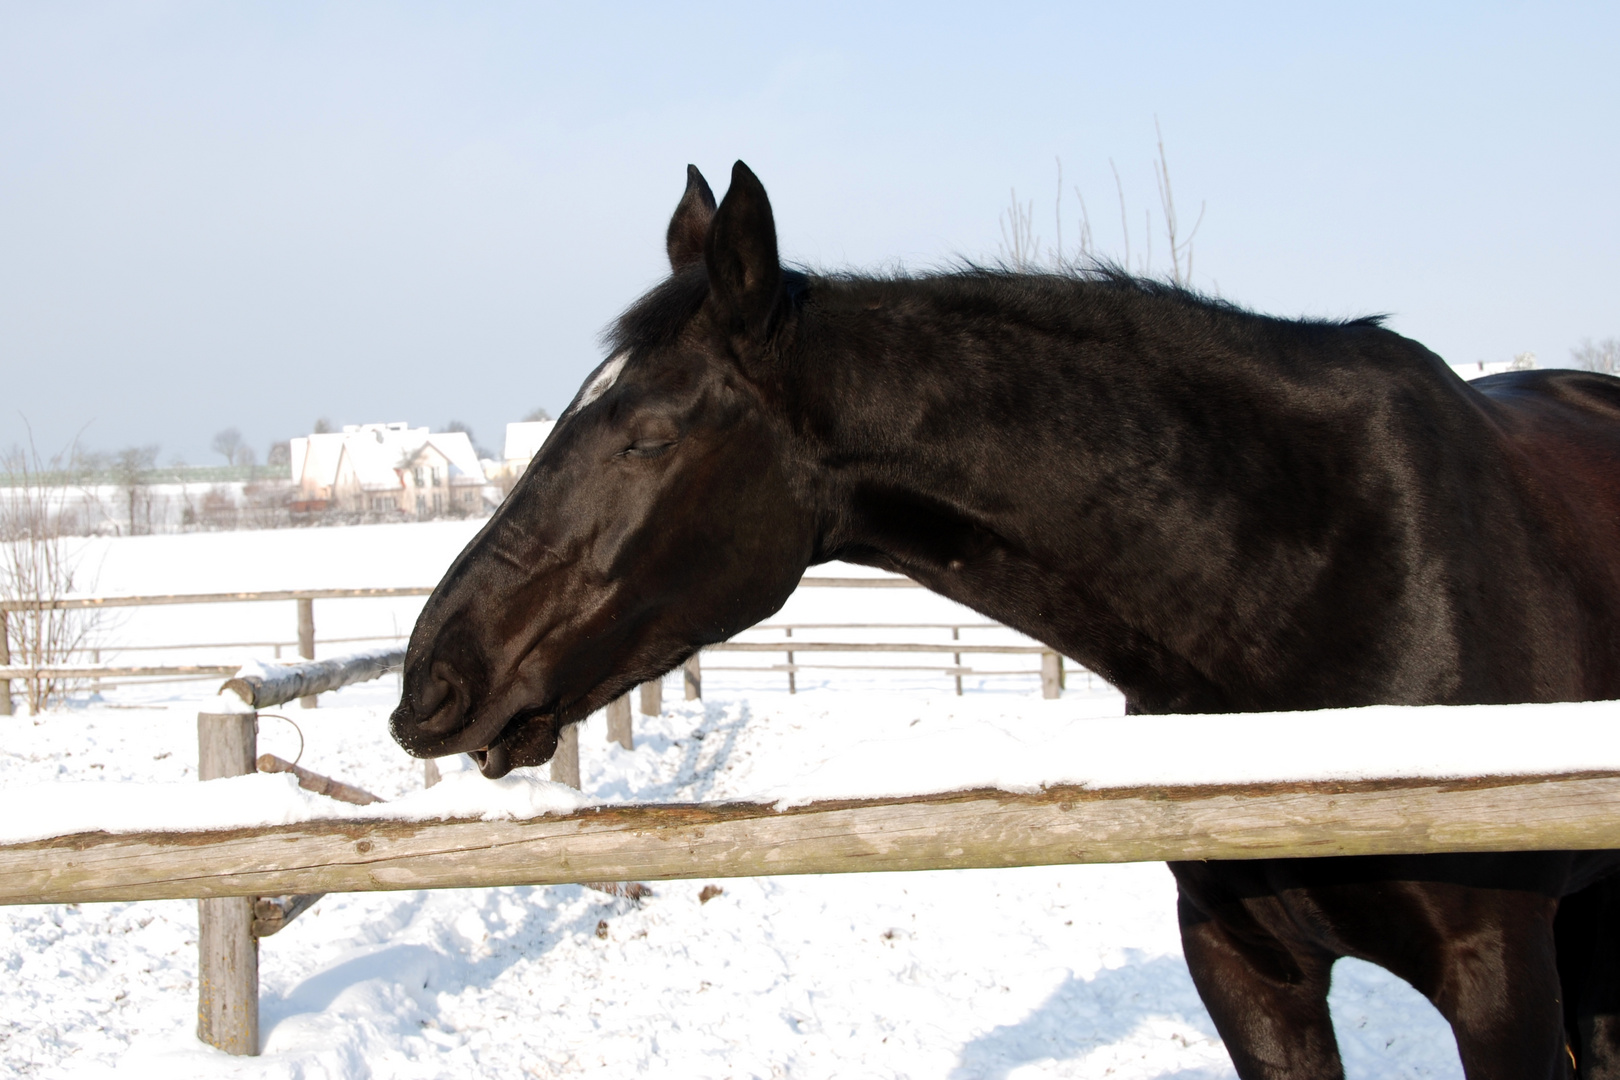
1049, 972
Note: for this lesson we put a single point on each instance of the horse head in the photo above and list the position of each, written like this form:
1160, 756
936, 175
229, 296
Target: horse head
661, 515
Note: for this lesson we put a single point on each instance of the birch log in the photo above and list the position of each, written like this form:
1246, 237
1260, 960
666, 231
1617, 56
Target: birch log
263, 686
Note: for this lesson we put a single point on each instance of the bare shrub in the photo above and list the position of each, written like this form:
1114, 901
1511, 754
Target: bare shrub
38, 567
1021, 246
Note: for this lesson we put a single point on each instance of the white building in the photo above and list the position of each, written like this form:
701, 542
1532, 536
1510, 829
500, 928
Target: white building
389, 470
523, 440
1525, 361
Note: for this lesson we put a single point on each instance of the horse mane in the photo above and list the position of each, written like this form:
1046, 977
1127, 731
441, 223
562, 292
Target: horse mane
659, 316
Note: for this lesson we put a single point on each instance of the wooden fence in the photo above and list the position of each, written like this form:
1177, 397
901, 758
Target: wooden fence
942, 831
250, 882
1052, 673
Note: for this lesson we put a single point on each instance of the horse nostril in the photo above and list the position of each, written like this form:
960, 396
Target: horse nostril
442, 703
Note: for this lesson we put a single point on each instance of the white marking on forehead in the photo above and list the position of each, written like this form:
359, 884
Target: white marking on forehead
604, 380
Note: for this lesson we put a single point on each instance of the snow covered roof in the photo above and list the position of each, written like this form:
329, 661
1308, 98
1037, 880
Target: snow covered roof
457, 449
523, 438
373, 454
315, 458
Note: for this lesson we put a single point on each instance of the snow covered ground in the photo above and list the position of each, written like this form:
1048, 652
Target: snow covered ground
1047, 972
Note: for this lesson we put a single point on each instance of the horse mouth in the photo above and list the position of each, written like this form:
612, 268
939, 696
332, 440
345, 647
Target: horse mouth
529, 738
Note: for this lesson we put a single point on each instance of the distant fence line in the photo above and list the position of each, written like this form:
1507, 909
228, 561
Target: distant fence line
1051, 673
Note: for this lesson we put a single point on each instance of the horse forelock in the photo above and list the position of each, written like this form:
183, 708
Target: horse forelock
659, 316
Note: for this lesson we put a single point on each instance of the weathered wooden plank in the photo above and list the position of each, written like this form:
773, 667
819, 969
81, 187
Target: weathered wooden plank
227, 951
796, 645
314, 781
951, 831
5, 663
271, 914
101, 671
652, 698
306, 642
1051, 674
565, 761
692, 677
228, 975
154, 600
619, 727
68, 602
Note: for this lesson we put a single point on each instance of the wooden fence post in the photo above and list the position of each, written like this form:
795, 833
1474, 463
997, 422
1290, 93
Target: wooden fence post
956, 658
228, 953
618, 723
306, 639
793, 683
5, 659
565, 762
1051, 675
694, 678
652, 697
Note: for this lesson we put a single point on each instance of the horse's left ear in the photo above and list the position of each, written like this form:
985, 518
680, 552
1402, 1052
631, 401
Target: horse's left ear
745, 274
689, 228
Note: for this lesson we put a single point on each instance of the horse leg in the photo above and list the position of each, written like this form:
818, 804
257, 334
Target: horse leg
1587, 930
1268, 999
1489, 964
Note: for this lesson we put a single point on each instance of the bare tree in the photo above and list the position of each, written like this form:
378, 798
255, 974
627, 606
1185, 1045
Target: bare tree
323, 426
37, 567
227, 443
129, 468
1601, 356
536, 414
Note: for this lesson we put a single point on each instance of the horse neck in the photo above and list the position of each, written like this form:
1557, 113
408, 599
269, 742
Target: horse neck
1114, 483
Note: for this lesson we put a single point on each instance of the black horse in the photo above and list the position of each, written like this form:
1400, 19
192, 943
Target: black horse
1215, 510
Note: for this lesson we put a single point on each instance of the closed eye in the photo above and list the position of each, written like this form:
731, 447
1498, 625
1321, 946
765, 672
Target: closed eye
647, 448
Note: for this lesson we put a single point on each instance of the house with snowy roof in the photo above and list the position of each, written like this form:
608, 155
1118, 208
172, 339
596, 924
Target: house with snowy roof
523, 440
389, 470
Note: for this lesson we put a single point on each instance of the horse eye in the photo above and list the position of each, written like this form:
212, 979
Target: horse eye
647, 448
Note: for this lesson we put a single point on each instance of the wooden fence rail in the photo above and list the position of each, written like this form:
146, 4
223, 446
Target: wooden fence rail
253, 596
305, 599
971, 829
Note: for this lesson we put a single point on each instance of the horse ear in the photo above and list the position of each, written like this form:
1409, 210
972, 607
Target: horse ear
689, 228
745, 275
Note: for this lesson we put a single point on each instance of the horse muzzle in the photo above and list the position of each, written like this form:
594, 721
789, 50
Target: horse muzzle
530, 740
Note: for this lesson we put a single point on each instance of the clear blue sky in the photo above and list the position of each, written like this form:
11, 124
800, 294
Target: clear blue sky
255, 214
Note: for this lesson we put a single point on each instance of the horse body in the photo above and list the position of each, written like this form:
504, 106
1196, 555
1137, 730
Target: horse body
1214, 510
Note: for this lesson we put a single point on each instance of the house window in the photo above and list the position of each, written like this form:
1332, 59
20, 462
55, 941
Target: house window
438, 502
416, 475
